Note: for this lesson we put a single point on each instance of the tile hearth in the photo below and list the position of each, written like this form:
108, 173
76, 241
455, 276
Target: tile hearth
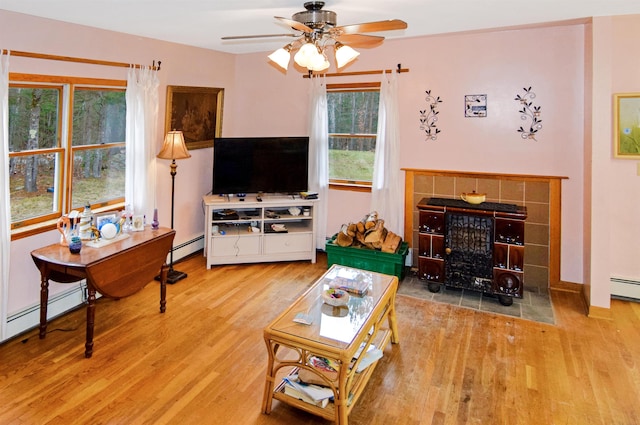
534, 305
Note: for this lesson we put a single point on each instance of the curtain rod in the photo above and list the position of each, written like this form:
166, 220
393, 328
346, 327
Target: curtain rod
399, 70
78, 60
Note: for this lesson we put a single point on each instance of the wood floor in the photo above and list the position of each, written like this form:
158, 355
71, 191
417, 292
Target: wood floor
203, 361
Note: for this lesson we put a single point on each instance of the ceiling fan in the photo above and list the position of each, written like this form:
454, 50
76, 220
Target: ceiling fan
316, 30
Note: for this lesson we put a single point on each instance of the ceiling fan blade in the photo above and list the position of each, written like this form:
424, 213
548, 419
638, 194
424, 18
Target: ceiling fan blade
295, 24
355, 40
389, 25
241, 37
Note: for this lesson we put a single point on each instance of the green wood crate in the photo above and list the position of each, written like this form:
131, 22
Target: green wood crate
368, 259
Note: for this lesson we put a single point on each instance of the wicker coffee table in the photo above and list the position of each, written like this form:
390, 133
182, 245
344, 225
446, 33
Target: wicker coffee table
337, 334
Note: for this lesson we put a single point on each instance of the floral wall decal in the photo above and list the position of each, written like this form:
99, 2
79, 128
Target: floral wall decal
429, 117
529, 112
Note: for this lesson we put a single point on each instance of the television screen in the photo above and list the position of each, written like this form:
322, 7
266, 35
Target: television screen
260, 164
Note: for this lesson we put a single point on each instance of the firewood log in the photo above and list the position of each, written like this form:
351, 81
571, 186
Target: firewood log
376, 233
391, 243
344, 239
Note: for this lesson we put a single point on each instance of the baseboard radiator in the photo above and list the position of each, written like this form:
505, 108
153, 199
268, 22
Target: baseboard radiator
63, 302
625, 288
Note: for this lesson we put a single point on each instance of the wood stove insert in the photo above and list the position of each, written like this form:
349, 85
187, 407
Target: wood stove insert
477, 247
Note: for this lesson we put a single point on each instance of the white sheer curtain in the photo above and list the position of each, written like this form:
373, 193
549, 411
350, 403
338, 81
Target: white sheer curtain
319, 156
5, 208
142, 119
387, 194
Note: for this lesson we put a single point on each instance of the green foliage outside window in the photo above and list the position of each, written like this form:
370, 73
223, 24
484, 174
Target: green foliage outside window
41, 145
353, 122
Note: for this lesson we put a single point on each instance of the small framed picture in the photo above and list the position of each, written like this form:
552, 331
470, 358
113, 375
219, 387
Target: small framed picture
138, 223
626, 110
475, 105
107, 217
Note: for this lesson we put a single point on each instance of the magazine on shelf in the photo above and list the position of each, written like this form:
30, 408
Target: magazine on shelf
293, 392
369, 358
315, 393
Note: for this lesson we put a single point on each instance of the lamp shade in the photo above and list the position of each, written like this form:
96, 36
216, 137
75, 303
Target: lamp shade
318, 63
344, 55
282, 56
174, 147
306, 54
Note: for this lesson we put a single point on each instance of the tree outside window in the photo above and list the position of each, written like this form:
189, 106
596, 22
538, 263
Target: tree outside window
66, 147
353, 122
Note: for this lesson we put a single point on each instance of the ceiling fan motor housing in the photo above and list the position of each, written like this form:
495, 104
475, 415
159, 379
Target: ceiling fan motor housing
314, 17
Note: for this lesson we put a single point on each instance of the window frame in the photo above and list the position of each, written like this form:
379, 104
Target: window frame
344, 184
64, 147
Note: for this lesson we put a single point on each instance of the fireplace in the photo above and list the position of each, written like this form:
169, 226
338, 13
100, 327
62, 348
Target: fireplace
477, 247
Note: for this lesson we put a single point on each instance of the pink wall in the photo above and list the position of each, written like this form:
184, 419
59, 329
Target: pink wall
498, 64
260, 100
181, 65
613, 207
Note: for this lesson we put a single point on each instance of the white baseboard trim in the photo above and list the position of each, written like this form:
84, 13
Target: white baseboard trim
625, 288
63, 302
29, 318
187, 248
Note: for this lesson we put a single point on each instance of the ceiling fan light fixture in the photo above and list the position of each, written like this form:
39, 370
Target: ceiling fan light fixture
282, 56
318, 63
344, 54
306, 55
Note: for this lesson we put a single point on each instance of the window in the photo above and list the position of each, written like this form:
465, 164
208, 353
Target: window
353, 124
66, 146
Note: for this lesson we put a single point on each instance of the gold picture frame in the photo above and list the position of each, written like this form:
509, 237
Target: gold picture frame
626, 113
197, 112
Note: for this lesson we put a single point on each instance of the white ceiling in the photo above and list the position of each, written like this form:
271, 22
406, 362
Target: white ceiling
202, 23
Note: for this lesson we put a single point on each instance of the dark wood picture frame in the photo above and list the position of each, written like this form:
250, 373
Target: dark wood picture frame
197, 112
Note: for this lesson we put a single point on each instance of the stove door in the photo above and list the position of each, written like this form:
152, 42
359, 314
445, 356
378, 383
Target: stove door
469, 248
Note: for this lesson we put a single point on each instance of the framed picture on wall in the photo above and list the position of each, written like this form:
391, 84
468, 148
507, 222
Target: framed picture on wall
475, 105
197, 112
626, 113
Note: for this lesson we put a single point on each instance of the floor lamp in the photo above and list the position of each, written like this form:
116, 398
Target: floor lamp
173, 148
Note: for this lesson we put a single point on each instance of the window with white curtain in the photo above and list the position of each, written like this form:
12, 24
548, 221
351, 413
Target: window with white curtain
353, 122
66, 146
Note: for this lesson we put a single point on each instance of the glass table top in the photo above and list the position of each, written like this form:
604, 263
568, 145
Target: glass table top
335, 326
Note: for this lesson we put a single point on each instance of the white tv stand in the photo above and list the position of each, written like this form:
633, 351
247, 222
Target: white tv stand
234, 242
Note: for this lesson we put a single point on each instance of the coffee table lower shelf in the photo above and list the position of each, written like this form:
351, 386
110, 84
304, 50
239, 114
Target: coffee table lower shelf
358, 384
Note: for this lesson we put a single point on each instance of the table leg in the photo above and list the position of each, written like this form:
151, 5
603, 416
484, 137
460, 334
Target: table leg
393, 322
267, 399
91, 315
163, 288
44, 300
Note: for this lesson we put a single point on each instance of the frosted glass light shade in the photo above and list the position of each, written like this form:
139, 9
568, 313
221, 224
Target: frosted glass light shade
318, 63
305, 55
174, 147
344, 55
281, 57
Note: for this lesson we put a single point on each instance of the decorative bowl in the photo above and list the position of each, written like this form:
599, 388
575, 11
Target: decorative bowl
335, 297
294, 211
473, 197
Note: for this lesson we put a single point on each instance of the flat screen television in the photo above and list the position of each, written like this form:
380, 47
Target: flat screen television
260, 165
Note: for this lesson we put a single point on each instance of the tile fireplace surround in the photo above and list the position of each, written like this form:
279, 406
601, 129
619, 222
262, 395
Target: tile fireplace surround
540, 194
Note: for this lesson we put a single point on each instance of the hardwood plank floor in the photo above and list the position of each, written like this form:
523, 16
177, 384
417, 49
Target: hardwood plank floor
203, 361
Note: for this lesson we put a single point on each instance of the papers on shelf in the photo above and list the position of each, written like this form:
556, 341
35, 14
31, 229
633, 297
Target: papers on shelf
309, 393
369, 358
